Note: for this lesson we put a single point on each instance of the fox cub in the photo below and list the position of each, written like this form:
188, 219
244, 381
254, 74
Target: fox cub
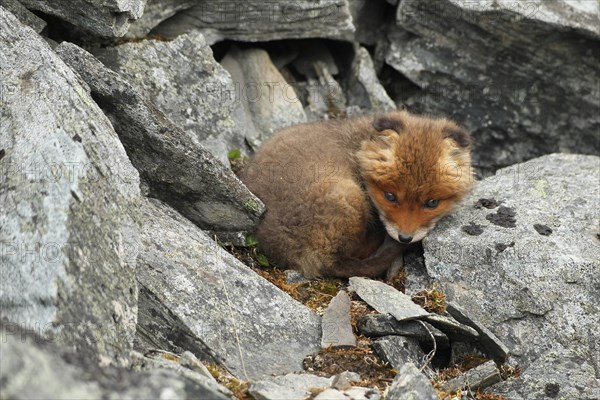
335, 190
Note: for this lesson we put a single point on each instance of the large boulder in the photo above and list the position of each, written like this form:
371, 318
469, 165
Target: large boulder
32, 368
186, 83
527, 266
68, 200
175, 167
109, 18
195, 296
260, 21
519, 75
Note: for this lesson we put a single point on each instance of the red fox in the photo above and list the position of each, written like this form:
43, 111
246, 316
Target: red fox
335, 190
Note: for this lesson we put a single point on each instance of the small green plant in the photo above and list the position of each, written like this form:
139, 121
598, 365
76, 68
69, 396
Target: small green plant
234, 154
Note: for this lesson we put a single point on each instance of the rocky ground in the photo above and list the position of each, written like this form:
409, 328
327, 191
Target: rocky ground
127, 265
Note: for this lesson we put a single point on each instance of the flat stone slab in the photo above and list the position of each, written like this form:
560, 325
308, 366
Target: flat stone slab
260, 21
376, 325
195, 296
386, 299
452, 328
337, 324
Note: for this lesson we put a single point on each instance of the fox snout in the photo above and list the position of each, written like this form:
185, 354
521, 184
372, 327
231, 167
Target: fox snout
402, 238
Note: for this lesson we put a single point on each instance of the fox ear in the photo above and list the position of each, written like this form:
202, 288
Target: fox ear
382, 123
460, 136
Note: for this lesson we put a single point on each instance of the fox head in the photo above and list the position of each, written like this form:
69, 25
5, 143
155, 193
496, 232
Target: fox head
415, 170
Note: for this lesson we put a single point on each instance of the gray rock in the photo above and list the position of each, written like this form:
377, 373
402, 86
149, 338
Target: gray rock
308, 54
416, 272
187, 366
323, 97
178, 171
330, 394
536, 293
363, 88
343, 381
452, 328
386, 299
155, 12
555, 375
290, 386
33, 368
375, 325
68, 200
24, 15
399, 350
476, 378
307, 386
108, 18
293, 276
265, 102
259, 21
336, 323
493, 67
493, 346
196, 296
186, 84
371, 20
410, 383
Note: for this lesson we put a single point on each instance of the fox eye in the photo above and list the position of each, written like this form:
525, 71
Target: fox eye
390, 197
432, 203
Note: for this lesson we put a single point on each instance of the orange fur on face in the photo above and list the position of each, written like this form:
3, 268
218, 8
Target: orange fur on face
427, 159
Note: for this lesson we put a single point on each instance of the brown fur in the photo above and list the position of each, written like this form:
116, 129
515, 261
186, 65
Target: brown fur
323, 185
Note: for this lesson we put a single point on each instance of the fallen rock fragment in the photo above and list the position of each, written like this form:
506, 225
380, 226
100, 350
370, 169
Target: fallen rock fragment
399, 350
476, 378
410, 383
177, 169
493, 347
386, 299
337, 324
290, 386
307, 386
68, 205
195, 296
186, 83
375, 325
452, 328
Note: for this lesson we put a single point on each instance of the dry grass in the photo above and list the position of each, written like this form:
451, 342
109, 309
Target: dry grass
432, 300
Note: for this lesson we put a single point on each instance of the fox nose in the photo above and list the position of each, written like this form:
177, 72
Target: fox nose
404, 239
